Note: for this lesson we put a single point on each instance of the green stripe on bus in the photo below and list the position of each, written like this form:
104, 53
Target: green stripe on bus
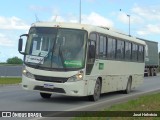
73, 63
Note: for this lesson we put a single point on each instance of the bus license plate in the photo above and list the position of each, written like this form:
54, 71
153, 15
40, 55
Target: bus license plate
48, 86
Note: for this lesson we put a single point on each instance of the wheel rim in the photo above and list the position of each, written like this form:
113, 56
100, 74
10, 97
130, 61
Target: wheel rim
97, 90
129, 86
148, 72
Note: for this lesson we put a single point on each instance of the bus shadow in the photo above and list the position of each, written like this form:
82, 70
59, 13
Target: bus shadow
118, 93
59, 99
62, 99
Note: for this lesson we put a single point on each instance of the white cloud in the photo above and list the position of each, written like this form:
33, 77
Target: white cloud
134, 19
154, 28
149, 29
4, 41
93, 19
123, 17
37, 8
2, 35
150, 13
144, 19
57, 18
96, 19
142, 32
12, 23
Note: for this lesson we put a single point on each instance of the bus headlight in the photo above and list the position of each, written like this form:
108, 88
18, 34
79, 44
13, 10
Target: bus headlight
27, 74
78, 76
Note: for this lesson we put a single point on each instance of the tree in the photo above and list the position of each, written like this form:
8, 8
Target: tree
14, 60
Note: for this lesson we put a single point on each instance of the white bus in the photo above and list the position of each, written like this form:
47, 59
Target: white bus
80, 60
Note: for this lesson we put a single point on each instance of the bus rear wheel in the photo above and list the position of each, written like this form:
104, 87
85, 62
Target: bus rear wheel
128, 87
97, 91
151, 72
155, 72
45, 95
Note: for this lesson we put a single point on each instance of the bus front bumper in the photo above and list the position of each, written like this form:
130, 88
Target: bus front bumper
78, 88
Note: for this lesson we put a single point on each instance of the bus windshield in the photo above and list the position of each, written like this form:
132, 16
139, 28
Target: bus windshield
56, 48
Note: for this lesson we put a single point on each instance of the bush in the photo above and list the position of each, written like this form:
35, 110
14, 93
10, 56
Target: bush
14, 60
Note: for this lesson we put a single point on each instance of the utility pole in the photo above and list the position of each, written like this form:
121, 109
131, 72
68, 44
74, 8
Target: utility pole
129, 23
80, 12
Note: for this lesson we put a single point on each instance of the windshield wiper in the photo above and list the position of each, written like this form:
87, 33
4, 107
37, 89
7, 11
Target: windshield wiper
38, 64
62, 58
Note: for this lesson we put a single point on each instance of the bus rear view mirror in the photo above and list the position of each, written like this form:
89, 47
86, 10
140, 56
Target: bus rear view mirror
20, 43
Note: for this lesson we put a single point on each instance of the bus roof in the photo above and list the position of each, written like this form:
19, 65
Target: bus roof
90, 28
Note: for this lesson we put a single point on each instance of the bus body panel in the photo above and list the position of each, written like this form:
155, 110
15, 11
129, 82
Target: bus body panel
116, 73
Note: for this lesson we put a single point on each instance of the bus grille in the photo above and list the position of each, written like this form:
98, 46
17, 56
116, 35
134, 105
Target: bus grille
50, 79
41, 88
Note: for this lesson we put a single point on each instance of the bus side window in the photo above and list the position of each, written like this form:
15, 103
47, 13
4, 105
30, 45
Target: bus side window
111, 48
120, 50
93, 48
134, 52
91, 53
127, 51
102, 47
140, 53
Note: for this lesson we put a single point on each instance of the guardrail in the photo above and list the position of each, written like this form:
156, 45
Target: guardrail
11, 71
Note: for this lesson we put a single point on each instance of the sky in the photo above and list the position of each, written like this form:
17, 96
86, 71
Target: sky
17, 16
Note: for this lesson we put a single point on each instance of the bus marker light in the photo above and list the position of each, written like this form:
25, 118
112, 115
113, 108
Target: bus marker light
75, 91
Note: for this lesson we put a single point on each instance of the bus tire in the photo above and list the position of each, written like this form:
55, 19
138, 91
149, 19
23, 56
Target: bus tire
155, 72
148, 72
151, 71
97, 91
129, 86
45, 95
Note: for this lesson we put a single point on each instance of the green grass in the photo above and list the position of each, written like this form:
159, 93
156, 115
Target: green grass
5, 64
145, 103
5, 80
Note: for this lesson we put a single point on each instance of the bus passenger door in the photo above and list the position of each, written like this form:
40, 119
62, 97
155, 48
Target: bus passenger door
91, 56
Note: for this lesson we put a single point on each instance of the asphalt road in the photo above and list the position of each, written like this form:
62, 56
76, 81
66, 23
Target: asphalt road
14, 98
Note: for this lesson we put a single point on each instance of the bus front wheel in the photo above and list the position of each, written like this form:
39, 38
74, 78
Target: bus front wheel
97, 91
45, 95
128, 87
